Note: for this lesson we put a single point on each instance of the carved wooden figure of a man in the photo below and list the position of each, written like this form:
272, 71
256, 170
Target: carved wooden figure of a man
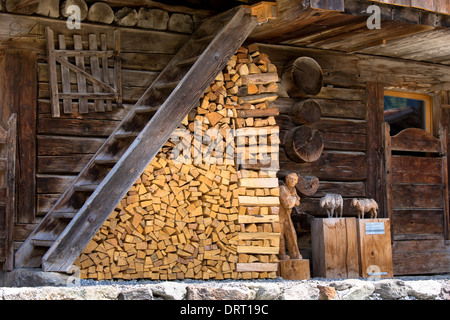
288, 200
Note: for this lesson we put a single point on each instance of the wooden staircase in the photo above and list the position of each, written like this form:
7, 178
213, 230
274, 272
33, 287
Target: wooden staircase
76, 217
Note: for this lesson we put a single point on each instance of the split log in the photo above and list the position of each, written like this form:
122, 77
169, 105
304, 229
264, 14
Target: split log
153, 19
49, 8
182, 23
305, 112
126, 17
100, 12
80, 3
302, 77
20, 6
303, 144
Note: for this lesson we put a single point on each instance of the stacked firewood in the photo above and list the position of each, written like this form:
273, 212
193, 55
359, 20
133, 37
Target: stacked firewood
207, 205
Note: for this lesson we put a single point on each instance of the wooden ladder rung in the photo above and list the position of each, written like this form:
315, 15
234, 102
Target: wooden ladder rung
64, 214
187, 62
205, 38
106, 162
126, 135
146, 109
43, 242
166, 85
88, 187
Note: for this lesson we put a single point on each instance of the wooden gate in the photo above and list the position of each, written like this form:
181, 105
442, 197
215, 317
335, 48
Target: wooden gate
105, 87
416, 200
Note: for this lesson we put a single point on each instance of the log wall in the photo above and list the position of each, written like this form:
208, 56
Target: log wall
351, 102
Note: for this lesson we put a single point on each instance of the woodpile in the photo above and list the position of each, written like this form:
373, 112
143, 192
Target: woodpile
197, 211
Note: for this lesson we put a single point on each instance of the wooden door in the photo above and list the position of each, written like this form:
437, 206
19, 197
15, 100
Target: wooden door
416, 200
18, 94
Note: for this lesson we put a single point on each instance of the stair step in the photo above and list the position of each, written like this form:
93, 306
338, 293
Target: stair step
88, 187
106, 162
205, 38
64, 214
43, 242
126, 135
166, 85
146, 109
187, 62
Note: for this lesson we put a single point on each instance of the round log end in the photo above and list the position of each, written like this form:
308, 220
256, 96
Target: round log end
302, 144
307, 185
302, 77
305, 112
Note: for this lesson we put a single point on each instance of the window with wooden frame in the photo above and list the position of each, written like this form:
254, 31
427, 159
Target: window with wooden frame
404, 110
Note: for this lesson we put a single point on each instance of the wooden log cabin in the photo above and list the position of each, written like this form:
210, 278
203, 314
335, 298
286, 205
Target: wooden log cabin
86, 111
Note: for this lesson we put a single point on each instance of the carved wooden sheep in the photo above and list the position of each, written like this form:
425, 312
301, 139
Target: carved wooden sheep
333, 204
365, 205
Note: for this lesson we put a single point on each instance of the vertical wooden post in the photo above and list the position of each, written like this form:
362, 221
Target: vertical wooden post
18, 94
386, 188
52, 72
117, 67
11, 146
374, 117
443, 138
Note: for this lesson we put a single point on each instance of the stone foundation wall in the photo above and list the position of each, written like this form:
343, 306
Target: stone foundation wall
53, 286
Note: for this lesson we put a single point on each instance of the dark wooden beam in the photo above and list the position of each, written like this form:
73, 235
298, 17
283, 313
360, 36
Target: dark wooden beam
399, 13
18, 94
334, 5
374, 119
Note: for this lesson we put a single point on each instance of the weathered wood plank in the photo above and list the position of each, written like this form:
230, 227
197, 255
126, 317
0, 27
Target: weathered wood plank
72, 164
258, 182
331, 166
65, 76
415, 140
258, 201
256, 267
67, 145
75, 127
420, 257
409, 169
19, 67
81, 81
329, 108
413, 223
257, 250
258, 218
47, 184
11, 196
417, 196
52, 72
375, 117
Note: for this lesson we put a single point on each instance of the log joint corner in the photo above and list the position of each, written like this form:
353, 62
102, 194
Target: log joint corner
264, 11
